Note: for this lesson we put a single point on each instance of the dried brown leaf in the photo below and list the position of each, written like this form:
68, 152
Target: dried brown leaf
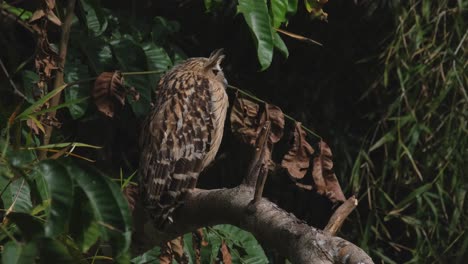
297, 160
224, 253
177, 246
108, 91
35, 127
198, 242
248, 118
165, 257
244, 120
276, 117
325, 179
53, 18
50, 4
131, 194
38, 14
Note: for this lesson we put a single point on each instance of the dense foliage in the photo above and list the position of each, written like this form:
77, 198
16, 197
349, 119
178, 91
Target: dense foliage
385, 85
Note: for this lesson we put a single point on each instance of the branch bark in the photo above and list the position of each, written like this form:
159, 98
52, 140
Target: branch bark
63, 47
272, 226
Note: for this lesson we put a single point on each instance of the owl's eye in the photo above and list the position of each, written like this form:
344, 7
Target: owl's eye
215, 71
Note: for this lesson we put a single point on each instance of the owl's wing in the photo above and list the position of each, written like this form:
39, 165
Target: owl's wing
175, 141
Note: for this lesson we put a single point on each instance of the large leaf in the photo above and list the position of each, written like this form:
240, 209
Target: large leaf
75, 71
53, 251
19, 253
131, 57
258, 19
157, 59
29, 226
238, 238
84, 229
16, 195
109, 206
279, 9
96, 21
60, 189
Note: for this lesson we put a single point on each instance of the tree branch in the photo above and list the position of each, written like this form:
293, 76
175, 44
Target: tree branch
63, 47
272, 226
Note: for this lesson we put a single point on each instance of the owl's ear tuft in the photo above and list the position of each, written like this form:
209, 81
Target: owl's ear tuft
216, 57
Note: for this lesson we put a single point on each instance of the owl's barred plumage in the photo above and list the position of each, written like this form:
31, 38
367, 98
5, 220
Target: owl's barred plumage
182, 134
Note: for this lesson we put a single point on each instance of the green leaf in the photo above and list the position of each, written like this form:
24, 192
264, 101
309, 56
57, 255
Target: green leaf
162, 29
29, 226
236, 237
150, 256
131, 57
157, 59
416, 193
53, 251
279, 44
19, 253
16, 192
278, 11
83, 228
40, 102
98, 53
96, 21
292, 7
109, 206
383, 140
75, 71
60, 189
30, 80
256, 15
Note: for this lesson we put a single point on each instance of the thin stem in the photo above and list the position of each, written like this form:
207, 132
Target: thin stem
262, 101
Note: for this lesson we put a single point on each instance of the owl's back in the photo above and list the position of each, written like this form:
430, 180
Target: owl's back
182, 133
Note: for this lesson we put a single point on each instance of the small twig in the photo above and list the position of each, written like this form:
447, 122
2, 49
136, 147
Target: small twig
259, 156
15, 89
10, 209
263, 175
337, 219
298, 37
251, 96
63, 46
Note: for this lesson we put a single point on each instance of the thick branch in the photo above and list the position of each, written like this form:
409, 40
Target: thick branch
271, 225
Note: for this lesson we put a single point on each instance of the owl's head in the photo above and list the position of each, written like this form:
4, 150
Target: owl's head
210, 67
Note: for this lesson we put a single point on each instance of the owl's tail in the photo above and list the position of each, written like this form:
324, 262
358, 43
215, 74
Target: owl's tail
164, 194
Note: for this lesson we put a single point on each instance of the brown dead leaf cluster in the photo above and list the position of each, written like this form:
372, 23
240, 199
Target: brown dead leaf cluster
109, 92
247, 119
46, 58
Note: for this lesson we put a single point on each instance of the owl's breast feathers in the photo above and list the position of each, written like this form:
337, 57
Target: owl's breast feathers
181, 136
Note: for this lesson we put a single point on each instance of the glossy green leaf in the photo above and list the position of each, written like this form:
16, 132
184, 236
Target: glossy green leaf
278, 11
157, 59
279, 44
19, 253
96, 21
60, 189
53, 251
258, 19
84, 229
292, 7
30, 80
109, 206
29, 226
151, 256
75, 70
17, 193
132, 58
